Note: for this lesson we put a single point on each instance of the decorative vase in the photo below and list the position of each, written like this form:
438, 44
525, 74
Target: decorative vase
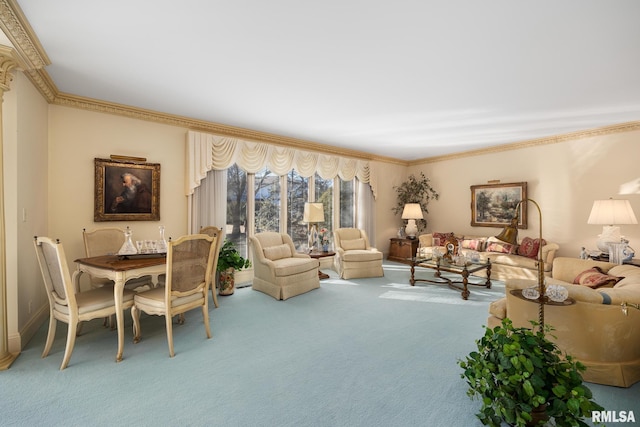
226, 282
325, 248
162, 243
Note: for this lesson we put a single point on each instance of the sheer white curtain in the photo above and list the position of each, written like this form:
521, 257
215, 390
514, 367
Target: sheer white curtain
365, 211
209, 202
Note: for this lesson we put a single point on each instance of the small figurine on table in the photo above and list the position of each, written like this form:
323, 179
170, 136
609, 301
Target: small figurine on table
584, 254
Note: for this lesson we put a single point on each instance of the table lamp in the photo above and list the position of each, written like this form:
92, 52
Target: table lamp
313, 214
610, 213
411, 212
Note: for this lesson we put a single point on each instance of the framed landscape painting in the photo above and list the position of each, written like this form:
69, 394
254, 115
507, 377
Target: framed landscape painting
494, 205
126, 191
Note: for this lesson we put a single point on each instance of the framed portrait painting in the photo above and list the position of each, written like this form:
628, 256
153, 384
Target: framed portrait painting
126, 191
494, 205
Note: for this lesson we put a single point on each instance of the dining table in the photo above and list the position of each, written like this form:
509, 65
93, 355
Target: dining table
119, 269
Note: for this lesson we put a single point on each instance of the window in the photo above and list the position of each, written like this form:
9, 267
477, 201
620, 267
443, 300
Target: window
278, 204
237, 208
324, 195
297, 195
347, 203
267, 201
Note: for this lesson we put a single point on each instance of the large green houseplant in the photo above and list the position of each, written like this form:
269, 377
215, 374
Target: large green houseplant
229, 261
524, 379
415, 190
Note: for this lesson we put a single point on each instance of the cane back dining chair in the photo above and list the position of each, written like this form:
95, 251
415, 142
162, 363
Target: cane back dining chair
66, 303
217, 233
188, 274
108, 241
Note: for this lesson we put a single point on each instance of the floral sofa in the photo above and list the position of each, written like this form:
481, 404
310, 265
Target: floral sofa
507, 261
594, 329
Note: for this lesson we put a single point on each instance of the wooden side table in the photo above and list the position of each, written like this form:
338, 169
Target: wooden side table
401, 249
318, 255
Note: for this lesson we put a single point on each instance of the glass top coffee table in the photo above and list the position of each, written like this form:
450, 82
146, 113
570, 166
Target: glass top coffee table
441, 265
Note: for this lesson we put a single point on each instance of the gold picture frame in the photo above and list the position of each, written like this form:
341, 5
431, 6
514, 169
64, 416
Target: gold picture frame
494, 205
126, 191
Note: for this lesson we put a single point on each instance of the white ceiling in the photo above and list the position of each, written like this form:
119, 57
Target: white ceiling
405, 79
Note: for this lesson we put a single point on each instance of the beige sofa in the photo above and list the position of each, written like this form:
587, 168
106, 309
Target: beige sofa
278, 270
503, 265
594, 330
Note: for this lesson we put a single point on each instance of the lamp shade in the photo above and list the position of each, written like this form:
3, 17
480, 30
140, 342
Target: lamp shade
412, 211
313, 212
612, 212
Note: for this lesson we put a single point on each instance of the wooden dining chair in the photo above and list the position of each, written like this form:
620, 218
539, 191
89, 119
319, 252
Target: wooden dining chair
188, 274
218, 234
66, 303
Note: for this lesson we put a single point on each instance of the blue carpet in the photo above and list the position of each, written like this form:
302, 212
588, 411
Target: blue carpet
360, 352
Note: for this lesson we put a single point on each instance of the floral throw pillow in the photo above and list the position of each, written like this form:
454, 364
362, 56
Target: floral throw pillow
596, 278
473, 244
439, 238
530, 247
501, 247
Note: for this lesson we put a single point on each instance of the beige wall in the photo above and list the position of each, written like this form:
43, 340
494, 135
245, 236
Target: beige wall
76, 137
564, 178
25, 186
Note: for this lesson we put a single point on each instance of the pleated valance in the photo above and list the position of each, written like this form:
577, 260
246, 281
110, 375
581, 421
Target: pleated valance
207, 151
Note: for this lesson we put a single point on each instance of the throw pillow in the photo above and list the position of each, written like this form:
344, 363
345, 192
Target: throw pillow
596, 278
473, 244
495, 245
277, 252
439, 238
350, 245
529, 247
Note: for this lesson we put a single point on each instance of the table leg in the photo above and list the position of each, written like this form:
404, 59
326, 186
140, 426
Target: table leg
488, 282
465, 282
412, 280
118, 290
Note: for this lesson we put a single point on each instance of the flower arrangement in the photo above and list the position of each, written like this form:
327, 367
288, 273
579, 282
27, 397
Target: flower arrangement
324, 236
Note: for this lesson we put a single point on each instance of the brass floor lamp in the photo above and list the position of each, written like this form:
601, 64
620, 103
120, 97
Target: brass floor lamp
510, 235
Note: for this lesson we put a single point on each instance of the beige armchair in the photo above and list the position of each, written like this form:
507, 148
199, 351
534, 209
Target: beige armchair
355, 258
278, 270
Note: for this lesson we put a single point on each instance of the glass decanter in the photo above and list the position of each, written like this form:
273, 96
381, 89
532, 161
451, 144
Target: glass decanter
128, 248
162, 243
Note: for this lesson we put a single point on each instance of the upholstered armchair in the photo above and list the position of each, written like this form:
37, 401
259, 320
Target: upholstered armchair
355, 258
279, 270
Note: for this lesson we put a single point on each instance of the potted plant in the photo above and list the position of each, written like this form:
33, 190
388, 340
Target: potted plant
229, 261
415, 190
524, 379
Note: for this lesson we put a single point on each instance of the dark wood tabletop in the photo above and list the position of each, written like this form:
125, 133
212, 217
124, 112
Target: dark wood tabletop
119, 263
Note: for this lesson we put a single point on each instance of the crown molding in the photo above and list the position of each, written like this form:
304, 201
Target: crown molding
605, 130
74, 101
19, 32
